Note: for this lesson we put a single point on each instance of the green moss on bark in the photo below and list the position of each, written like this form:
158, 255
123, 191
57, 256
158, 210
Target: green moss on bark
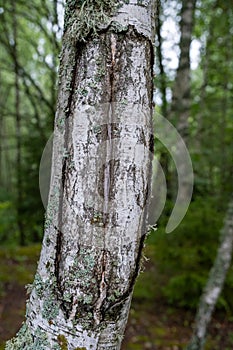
62, 342
86, 17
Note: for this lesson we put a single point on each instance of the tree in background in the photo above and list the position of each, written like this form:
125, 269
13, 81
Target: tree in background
216, 91
214, 284
184, 258
212, 103
178, 109
207, 111
28, 93
100, 183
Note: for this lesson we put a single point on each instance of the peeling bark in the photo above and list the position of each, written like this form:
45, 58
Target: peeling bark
100, 183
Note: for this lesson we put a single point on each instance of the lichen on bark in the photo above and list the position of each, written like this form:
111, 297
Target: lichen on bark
85, 17
25, 340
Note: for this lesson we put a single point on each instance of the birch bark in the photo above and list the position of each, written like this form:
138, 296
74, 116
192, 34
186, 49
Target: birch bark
100, 181
214, 284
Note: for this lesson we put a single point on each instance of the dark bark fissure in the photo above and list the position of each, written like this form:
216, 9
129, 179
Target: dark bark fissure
109, 170
113, 166
98, 309
108, 173
112, 308
103, 308
68, 113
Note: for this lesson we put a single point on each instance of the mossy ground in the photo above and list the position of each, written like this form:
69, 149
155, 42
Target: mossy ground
153, 324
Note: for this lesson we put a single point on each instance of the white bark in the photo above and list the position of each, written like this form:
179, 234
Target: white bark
214, 284
100, 185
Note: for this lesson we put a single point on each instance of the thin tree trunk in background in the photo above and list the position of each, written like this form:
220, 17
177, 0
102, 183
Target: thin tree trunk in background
100, 182
181, 92
164, 157
18, 128
214, 284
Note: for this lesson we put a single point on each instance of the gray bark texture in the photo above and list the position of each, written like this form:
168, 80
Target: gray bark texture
214, 284
100, 181
181, 98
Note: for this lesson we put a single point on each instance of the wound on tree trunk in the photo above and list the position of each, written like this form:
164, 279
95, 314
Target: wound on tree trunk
100, 181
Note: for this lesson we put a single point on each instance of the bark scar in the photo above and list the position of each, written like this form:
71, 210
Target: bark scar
109, 145
64, 170
113, 48
102, 289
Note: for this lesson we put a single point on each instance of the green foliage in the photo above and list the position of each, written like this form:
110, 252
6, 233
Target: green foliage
7, 221
25, 126
211, 120
62, 342
185, 256
179, 262
13, 261
145, 286
184, 289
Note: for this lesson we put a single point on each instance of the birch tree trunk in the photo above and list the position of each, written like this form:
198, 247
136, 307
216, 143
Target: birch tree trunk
214, 284
100, 181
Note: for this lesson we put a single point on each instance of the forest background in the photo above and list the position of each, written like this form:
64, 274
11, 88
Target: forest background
194, 90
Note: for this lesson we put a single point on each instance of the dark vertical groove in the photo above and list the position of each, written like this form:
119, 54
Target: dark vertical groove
68, 113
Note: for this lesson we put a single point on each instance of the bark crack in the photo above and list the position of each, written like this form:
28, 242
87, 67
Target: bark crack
133, 278
110, 126
98, 315
68, 112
